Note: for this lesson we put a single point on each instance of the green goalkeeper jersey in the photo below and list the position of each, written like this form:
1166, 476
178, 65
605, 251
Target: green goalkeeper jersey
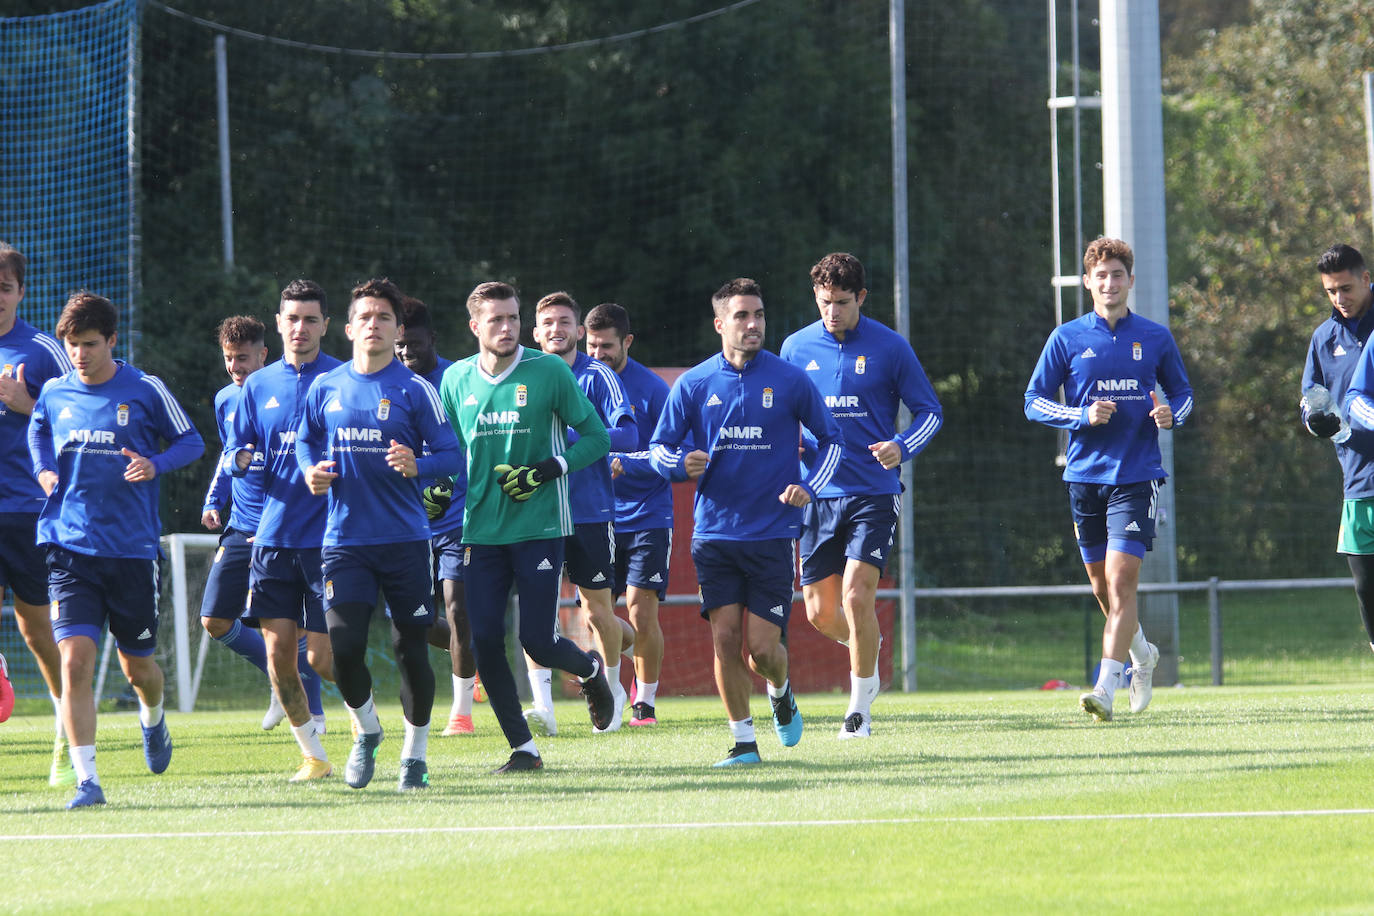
519, 417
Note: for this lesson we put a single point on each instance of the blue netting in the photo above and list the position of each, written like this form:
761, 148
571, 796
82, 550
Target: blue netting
67, 160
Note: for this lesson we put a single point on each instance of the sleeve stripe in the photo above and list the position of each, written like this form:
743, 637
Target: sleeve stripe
613, 388
1363, 411
1184, 409
917, 440
433, 395
669, 458
1055, 409
59, 352
180, 421
826, 470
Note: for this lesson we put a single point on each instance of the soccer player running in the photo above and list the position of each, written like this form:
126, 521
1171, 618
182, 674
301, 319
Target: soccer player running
511, 406
1337, 362
95, 441
370, 431
643, 505
864, 371
286, 586
1108, 363
242, 341
28, 359
443, 502
744, 408
589, 552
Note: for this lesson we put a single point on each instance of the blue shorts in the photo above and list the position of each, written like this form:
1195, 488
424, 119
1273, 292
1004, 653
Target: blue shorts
226, 587
589, 555
846, 528
447, 548
641, 560
1118, 517
87, 592
23, 566
286, 583
534, 568
400, 572
756, 574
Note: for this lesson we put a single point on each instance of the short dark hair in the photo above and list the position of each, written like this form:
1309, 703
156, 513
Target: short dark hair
415, 314
839, 270
85, 311
378, 288
1340, 257
13, 260
490, 291
305, 291
559, 298
609, 316
740, 286
1106, 249
237, 330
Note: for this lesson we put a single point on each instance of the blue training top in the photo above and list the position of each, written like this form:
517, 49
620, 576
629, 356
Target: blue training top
244, 494
451, 520
80, 431
643, 499
749, 422
39, 357
1334, 355
1093, 362
590, 491
351, 418
863, 379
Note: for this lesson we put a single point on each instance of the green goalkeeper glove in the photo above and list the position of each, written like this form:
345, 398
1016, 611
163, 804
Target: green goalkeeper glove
436, 498
519, 483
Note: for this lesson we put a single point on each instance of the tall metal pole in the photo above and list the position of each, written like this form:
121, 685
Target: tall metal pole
1369, 133
901, 284
226, 195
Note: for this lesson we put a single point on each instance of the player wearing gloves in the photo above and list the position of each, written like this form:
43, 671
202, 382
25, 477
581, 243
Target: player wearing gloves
511, 407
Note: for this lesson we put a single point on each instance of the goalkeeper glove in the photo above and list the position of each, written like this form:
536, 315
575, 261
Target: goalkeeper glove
519, 483
1323, 425
436, 498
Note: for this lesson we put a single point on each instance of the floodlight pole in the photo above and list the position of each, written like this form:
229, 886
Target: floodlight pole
1369, 133
226, 195
901, 280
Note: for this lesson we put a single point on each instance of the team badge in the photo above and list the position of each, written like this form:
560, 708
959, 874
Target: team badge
53, 610
383, 409
8, 372
1136, 352
522, 395
219, 554
329, 589
122, 414
768, 397
467, 556
860, 364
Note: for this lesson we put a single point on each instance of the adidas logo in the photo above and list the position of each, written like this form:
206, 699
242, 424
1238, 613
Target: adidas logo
655, 578
877, 553
1133, 527
598, 578
812, 367
420, 612
146, 634
334, 406
66, 414
1087, 354
1339, 351
271, 402
713, 401
776, 611
471, 401
544, 565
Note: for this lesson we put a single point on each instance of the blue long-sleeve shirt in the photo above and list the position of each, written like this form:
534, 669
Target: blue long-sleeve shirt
41, 358
1333, 356
351, 418
267, 417
863, 379
244, 494
1094, 362
79, 432
590, 490
643, 499
452, 519
749, 421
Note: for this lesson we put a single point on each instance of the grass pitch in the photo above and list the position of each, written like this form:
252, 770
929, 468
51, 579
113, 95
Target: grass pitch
1215, 800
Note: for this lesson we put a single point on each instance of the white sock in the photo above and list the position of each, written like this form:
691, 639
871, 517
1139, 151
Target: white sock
462, 695
742, 731
57, 716
83, 760
365, 717
862, 690
528, 747
613, 677
1140, 647
541, 684
776, 692
318, 722
308, 737
416, 743
1109, 676
149, 715
646, 693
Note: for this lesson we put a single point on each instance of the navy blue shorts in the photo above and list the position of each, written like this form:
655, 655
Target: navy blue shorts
589, 554
535, 569
23, 565
226, 587
400, 572
1118, 517
641, 560
88, 592
448, 555
756, 574
846, 528
286, 583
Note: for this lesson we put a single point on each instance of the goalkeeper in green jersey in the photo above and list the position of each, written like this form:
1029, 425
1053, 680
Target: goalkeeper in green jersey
511, 407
